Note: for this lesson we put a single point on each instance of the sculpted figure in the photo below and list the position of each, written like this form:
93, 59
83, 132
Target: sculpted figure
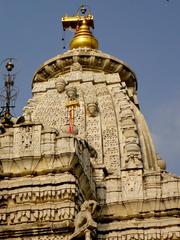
133, 161
84, 217
76, 67
71, 92
92, 109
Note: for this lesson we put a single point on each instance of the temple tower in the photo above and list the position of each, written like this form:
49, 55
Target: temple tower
81, 164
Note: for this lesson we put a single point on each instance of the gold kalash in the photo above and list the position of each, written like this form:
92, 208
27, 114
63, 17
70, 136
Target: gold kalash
81, 24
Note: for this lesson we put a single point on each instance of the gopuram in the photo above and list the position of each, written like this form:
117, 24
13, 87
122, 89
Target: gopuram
80, 163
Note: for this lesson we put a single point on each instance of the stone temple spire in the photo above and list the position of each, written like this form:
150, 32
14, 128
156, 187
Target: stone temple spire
83, 166
81, 24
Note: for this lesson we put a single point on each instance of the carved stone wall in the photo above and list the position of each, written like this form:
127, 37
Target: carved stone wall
47, 172
44, 180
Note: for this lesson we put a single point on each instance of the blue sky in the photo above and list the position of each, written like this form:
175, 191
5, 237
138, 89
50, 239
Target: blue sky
143, 33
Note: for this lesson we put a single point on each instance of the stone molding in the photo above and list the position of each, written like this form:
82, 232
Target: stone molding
152, 234
93, 60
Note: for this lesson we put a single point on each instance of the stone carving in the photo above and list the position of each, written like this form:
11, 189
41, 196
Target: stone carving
109, 129
150, 234
60, 85
93, 135
48, 214
84, 217
50, 110
71, 92
27, 114
47, 237
133, 161
43, 195
92, 109
76, 66
84, 223
132, 184
47, 176
92, 128
133, 156
129, 139
27, 137
161, 163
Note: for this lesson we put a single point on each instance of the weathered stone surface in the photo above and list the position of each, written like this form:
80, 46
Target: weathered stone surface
47, 172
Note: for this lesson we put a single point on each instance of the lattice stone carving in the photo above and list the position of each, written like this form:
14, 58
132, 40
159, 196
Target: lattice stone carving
108, 128
93, 136
93, 129
51, 110
130, 145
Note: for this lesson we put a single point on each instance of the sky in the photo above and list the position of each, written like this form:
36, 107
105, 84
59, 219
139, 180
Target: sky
143, 33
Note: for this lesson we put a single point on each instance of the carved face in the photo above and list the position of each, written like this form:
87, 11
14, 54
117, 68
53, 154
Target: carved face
92, 109
76, 67
71, 93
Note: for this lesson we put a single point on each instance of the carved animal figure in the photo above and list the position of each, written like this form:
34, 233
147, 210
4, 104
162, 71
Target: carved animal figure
85, 215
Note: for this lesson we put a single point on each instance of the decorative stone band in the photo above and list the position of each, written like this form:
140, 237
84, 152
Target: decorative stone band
153, 234
71, 155
49, 212
48, 231
44, 237
43, 194
89, 59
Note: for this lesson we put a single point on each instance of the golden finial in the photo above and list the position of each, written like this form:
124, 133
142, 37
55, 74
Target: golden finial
81, 24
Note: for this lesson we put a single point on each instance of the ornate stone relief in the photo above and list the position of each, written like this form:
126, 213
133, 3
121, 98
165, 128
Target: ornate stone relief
76, 66
41, 214
47, 174
71, 92
85, 215
130, 146
32, 200
92, 109
60, 84
50, 110
84, 223
26, 135
53, 213
47, 237
92, 128
109, 129
76, 60
132, 184
152, 234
